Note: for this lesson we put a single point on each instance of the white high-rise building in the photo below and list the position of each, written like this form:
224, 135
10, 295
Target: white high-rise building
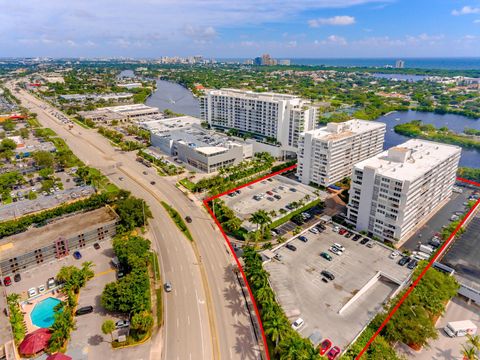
394, 193
271, 117
399, 64
326, 155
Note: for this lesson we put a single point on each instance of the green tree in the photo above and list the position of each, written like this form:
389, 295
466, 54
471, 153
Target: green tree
233, 224
108, 327
8, 125
469, 353
261, 218
7, 144
474, 340
24, 133
142, 322
43, 158
45, 172
133, 213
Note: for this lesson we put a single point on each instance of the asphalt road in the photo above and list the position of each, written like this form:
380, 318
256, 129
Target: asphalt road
205, 315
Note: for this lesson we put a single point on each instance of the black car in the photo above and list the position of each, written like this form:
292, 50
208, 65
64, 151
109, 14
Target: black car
412, 264
17, 277
404, 260
291, 247
348, 234
188, 219
328, 275
96, 246
84, 310
303, 238
321, 226
364, 241
356, 237
152, 182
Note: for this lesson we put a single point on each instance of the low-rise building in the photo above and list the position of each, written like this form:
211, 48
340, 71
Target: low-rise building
57, 239
205, 150
327, 155
97, 97
121, 113
395, 192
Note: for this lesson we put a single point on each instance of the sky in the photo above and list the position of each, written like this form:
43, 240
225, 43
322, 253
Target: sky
240, 28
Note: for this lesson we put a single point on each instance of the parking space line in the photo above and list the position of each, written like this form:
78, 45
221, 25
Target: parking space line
103, 273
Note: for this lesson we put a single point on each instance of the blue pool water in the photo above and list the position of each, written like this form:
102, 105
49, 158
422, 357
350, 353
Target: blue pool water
42, 313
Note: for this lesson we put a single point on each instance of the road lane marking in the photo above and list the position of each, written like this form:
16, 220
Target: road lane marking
103, 273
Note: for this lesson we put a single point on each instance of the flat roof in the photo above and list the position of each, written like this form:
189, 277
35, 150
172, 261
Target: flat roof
464, 255
157, 124
410, 160
128, 108
35, 238
338, 131
253, 95
210, 150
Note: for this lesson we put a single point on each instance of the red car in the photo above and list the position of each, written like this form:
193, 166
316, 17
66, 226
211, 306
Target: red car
342, 231
334, 351
269, 193
7, 281
324, 346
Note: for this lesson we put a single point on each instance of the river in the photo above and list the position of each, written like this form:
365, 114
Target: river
179, 99
174, 97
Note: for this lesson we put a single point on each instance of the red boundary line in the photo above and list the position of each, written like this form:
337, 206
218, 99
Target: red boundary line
397, 306
417, 280
205, 203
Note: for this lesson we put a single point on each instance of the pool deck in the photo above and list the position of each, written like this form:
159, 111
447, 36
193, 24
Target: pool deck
28, 305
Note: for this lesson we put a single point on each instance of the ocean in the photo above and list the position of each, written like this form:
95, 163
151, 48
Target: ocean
419, 63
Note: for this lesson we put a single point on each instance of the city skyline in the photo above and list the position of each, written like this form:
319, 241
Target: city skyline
309, 29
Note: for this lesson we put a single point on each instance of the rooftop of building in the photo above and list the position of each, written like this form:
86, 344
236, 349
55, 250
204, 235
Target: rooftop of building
129, 108
158, 124
338, 131
410, 160
251, 94
35, 238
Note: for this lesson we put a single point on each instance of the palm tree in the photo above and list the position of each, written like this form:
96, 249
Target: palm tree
233, 224
261, 218
142, 321
276, 328
469, 353
474, 341
107, 327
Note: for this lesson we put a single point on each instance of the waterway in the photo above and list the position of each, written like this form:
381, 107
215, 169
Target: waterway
174, 97
179, 99
457, 123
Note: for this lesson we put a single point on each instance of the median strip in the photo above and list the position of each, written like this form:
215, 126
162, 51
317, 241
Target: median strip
178, 220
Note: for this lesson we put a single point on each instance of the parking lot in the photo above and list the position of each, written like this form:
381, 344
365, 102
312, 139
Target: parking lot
276, 193
364, 279
445, 347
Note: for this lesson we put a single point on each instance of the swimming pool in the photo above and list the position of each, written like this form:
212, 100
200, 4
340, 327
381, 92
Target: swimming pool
42, 313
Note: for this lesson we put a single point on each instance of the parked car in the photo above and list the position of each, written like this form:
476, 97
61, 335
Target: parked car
333, 353
336, 229
77, 255
356, 237
188, 219
326, 256
348, 234
404, 260
412, 264
269, 193
334, 250
328, 275
17, 277
314, 230
96, 246
84, 310
291, 247
394, 254
278, 197
371, 244
324, 346
120, 275
168, 286
32, 292
41, 288
297, 324
121, 324
339, 247
7, 281
152, 182
364, 241
278, 257
342, 231
303, 238
50, 283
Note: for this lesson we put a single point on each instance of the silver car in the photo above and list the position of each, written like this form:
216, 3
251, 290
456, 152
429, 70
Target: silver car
168, 286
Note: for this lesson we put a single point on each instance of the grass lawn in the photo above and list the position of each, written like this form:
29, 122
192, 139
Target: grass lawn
188, 184
178, 220
287, 217
85, 126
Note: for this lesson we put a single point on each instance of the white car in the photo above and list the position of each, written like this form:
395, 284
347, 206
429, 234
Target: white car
41, 288
339, 247
313, 230
334, 250
394, 254
297, 324
336, 229
32, 292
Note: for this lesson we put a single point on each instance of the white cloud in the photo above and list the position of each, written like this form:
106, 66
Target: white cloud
477, 21
332, 40
466, 10
334, 21
249, 44
198, 32
292, 44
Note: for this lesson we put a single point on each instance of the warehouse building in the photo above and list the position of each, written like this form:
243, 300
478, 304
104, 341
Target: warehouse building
121, 113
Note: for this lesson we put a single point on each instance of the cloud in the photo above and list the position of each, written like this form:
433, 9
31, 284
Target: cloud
249, 44
200, 33
334, 21
292, 44
466, 10
332, 40
477, 21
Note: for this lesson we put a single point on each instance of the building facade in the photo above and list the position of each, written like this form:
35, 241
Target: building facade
327, 155
269, 117
395, 192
